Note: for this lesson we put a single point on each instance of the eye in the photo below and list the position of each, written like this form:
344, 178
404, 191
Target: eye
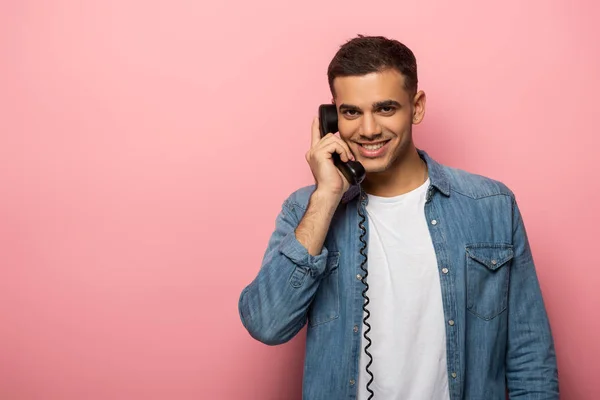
387, 110
350, 113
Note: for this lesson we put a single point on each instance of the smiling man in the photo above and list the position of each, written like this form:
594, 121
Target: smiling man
453, 306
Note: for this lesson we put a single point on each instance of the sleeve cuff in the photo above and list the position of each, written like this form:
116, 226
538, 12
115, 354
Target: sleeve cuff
297, 253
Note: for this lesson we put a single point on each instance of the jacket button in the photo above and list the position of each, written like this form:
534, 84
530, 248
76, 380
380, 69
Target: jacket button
451, 322
359, 277
355, 329
433, 222
454, 374
352, 382
445, 270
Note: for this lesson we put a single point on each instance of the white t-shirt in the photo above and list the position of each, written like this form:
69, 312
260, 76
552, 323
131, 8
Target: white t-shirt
407, 319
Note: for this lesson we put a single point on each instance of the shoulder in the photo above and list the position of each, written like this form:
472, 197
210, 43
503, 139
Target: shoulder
474, 185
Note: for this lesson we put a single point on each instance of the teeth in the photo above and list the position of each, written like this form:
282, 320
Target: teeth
373, 146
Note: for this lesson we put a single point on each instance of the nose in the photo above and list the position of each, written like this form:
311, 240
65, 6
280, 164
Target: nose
369, 126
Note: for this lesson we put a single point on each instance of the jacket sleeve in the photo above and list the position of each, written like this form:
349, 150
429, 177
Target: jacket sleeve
530, 359
274, 306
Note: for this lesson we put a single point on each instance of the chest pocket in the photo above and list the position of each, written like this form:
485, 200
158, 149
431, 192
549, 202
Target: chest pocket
488, 273
326, 304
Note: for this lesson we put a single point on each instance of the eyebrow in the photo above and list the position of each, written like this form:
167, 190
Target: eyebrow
378, 104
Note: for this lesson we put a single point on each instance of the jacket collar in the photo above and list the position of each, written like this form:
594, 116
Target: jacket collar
437, 177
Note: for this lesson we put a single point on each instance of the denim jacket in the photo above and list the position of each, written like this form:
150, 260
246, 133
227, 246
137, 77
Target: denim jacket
498, 335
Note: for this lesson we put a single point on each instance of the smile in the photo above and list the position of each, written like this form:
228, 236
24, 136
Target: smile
375, 146
373, 150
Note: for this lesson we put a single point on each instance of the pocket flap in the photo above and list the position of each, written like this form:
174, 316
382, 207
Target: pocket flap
492, 256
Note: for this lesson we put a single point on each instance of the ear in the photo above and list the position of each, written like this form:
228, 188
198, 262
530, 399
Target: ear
419, 107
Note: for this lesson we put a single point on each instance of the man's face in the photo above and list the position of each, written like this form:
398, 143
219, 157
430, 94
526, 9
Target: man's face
375, 117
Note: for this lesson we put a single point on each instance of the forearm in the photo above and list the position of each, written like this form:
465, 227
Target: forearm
531, 359
313, 228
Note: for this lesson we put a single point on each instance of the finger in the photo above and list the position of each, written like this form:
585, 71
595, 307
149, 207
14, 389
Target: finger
342, 143
336, 147
315, 132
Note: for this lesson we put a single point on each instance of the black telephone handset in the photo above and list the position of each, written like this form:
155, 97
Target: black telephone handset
355, 174
328, 123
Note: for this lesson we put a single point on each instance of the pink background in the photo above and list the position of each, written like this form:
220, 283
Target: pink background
139, 179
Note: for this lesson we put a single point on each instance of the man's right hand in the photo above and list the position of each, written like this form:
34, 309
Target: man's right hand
328, 177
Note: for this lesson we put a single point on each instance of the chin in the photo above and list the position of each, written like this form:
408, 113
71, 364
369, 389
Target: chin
375, 165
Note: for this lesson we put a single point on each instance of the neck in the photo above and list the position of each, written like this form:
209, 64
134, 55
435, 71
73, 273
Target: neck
406, 174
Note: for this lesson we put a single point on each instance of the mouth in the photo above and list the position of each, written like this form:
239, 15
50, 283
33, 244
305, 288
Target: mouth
373, 150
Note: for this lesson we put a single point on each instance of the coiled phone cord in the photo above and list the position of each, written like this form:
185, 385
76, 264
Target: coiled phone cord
363, 249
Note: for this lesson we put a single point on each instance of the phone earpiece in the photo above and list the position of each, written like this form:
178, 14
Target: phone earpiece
328, 119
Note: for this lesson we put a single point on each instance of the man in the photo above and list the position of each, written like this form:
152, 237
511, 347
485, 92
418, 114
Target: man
454, 305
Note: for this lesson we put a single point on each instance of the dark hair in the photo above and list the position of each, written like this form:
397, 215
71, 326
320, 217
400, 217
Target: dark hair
366, 54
